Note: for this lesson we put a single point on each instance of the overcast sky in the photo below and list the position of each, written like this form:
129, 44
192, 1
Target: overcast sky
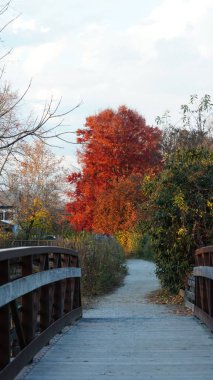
147, 54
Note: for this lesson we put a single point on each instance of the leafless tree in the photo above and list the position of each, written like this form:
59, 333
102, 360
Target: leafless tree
194, 129
12, 130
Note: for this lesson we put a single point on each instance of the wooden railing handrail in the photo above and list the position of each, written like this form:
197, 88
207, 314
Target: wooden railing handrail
202, 250
39, 295
203, 271
16, 252
22, 286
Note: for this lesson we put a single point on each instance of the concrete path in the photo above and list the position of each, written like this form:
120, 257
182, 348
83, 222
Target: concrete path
124, 337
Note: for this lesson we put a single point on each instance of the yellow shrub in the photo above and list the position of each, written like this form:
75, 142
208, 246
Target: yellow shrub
129, 240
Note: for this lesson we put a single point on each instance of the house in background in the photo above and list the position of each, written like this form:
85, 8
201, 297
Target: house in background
7, 212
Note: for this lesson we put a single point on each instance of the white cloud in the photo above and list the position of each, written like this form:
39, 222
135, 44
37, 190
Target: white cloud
20, 24
91, 43
39, 57
174, 18
205, 51
171, 19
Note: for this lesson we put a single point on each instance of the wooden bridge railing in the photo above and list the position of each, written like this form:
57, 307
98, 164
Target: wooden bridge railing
203, 273
39, 295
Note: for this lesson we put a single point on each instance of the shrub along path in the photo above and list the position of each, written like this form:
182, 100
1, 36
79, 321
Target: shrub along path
125, 337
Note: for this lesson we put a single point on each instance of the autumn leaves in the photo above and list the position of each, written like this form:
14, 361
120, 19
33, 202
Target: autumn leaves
118, 148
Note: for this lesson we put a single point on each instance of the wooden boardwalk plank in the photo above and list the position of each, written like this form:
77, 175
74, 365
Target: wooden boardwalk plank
132, 340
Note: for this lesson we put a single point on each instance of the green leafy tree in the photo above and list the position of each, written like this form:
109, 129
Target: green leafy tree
35, 217
179, 206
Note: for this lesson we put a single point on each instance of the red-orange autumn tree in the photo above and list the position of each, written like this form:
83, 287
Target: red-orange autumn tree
118, 148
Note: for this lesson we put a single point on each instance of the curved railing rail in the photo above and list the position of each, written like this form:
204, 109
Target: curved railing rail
203, 273
39, 295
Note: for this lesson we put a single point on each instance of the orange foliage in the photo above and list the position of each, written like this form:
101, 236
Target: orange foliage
117, 147
116, 208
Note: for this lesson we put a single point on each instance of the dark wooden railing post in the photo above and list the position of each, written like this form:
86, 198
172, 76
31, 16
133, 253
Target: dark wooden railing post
77, 290
28, 322
4, 320
70, 286
18, 325
77, 298
58, 301
203, 272
45, 304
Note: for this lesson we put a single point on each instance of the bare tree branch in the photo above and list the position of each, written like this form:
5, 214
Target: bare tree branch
9, 22
13, 131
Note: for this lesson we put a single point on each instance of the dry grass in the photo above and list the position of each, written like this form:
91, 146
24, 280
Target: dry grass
102, 262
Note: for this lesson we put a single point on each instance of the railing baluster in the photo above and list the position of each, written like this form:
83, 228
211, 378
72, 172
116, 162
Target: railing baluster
211, 298
68, 295
208, 296
28, 303
4, 319
70, 284
17, 323
77, 297
58, 302
77, 290
45, 305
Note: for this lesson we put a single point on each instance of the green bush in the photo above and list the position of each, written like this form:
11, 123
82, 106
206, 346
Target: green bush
145, 249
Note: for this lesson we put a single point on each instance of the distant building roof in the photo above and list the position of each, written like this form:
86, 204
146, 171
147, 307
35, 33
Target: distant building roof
6, 199
9, 222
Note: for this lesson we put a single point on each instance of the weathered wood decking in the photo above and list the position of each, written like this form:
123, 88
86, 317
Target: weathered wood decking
124, 337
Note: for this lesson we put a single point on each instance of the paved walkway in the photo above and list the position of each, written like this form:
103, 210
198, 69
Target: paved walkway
124, 337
